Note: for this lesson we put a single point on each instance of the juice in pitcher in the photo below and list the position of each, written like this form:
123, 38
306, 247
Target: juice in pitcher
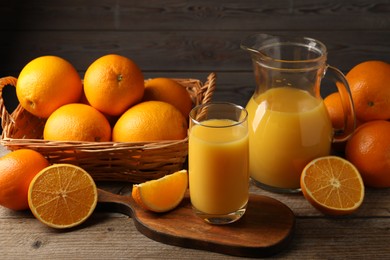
287, 119
289, 128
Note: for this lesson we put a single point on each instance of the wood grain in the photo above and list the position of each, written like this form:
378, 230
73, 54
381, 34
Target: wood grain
108, 235
265, 229
184, 39
194, 51
188, 39
187, 36
202, 15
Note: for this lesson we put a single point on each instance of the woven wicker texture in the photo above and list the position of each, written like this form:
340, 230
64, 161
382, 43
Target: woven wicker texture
105, 161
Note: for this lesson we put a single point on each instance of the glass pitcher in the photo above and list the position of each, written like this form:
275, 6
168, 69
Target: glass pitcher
288, 122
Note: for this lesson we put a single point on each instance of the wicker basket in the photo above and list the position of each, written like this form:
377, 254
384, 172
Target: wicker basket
105, 161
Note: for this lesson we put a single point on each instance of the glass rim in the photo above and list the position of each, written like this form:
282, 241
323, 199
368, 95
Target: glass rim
205, 105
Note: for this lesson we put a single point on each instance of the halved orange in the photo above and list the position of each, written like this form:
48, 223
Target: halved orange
333, 185
62, 195
162, 194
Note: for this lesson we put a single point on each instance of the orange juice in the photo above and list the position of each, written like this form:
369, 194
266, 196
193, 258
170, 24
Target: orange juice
218, 166
288, 127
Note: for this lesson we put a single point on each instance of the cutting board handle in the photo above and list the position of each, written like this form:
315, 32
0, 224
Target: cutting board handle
117, 203
264, 230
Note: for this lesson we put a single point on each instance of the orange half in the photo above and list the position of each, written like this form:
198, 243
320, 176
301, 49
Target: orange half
333, 185
62, 196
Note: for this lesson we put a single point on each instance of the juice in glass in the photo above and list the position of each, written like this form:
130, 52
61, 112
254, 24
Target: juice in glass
219, 168
289, 127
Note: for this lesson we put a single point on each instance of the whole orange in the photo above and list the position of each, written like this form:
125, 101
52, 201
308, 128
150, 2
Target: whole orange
150, 121
369, 82
46, 83
369, 150
113, 83
170, 91
77, 122
336, 113
335, 110
17, 169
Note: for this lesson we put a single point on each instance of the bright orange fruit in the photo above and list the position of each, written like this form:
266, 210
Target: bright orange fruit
46, 83
77, 122
333, 185
150, 121
369, 82
62, 196
170, 91
162, 194
113, 83
369, 150
335, 109
17, 169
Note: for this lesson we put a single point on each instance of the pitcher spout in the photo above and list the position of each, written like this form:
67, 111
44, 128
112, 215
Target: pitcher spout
285, 52
253, 43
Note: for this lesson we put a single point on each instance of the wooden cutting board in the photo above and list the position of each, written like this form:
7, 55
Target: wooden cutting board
265, 229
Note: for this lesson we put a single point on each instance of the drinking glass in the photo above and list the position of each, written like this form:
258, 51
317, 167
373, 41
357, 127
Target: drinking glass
219, 162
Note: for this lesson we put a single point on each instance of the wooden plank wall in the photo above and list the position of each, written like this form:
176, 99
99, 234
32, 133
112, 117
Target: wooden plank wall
188, 39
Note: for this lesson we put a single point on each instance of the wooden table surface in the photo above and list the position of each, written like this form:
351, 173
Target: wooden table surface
108, 235
182, 39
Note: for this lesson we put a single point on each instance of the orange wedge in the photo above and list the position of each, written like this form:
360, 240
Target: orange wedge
162, 194
62, 196
333, 185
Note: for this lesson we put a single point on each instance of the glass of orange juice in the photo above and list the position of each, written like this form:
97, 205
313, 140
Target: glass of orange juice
218, 160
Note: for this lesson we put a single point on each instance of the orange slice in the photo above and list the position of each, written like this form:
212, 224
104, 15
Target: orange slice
62, 196
162, 194
333, 185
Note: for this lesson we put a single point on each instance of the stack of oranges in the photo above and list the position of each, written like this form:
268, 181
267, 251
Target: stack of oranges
113, 103
369, 146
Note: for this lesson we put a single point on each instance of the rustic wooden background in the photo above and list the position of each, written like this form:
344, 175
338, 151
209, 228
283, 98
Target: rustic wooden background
190, 39
187, 39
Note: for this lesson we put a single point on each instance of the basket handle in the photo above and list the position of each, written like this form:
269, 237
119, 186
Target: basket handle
5, 116
209, 87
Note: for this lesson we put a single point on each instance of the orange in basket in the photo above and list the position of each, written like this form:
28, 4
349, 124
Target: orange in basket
170, 91
150, 121
133, 162
77, 122
113, 83
46, 83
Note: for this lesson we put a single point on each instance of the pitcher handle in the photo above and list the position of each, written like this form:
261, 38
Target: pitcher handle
338, 77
